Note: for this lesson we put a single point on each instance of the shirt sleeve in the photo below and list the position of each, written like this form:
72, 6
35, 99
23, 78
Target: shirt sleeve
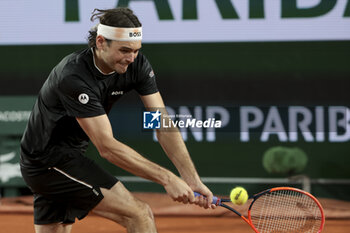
78, 98
146, 80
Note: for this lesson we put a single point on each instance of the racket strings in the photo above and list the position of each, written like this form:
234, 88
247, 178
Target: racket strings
286, 211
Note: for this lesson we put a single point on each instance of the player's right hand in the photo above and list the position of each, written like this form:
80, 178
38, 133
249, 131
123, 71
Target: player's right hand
178, 190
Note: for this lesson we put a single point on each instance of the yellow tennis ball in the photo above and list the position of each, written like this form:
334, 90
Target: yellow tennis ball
239, 196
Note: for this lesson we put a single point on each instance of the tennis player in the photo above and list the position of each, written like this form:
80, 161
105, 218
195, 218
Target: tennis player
72, 109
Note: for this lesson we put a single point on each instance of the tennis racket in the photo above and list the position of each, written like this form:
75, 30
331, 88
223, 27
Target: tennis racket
281, 210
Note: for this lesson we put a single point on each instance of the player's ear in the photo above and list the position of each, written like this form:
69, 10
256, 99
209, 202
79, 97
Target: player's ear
100, 42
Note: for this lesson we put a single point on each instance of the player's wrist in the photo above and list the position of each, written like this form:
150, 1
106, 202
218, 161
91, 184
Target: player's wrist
192, 180
167, 178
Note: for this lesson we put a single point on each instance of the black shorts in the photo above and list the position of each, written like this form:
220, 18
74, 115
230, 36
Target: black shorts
67, 190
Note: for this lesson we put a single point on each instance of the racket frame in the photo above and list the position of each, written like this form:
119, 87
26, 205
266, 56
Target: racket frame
220, 202
256, 196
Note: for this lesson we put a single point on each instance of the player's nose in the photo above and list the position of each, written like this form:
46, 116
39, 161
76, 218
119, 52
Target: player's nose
130, 57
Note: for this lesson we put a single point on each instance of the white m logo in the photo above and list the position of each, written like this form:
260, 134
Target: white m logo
83, 98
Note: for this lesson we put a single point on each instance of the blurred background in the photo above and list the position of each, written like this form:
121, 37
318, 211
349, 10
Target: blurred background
276, 72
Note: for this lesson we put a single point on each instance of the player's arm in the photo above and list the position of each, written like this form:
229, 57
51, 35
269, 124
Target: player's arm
175, 148
100, 132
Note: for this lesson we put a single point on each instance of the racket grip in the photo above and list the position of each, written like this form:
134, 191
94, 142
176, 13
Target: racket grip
216, 200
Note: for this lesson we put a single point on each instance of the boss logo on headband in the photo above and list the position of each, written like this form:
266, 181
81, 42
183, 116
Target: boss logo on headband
134, 34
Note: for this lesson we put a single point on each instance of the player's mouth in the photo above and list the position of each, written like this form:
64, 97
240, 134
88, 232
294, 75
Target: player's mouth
123, 64
122, 67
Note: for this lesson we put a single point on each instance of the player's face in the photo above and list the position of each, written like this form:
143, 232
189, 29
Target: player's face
118, 55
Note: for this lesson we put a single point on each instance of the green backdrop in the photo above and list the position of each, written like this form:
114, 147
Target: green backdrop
223, 74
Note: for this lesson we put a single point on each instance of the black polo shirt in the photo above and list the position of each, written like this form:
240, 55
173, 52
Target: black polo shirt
76, 88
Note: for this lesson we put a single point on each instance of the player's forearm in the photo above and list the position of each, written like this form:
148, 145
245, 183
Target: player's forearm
175, 148
128, 159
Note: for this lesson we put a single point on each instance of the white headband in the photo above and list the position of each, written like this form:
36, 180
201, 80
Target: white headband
119, 34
